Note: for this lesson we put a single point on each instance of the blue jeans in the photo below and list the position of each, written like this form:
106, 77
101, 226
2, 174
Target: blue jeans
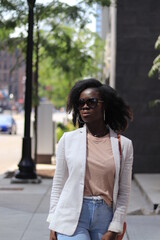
94, 220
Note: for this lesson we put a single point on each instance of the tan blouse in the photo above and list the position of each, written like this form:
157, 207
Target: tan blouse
100, 168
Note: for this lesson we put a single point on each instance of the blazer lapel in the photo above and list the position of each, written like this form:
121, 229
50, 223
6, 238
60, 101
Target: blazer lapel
83, 149
115, 150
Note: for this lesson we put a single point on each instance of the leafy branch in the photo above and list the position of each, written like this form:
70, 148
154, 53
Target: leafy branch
155, 71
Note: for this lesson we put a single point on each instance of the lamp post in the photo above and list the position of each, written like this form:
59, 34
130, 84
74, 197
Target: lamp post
11, 97
27, 172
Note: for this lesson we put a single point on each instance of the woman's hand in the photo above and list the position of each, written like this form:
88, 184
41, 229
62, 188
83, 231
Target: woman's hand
53, 235
109, 236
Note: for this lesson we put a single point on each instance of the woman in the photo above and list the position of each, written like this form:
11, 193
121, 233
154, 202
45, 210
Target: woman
92, 180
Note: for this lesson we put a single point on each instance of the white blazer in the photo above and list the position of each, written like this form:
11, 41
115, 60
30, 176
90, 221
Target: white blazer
68, 183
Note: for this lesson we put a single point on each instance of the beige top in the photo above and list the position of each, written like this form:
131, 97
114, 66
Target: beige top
100, 168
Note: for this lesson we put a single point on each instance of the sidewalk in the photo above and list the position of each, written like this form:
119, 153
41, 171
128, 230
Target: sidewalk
24, 209
143, 220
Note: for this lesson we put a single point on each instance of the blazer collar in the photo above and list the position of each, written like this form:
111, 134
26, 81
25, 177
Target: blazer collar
115, 149
83, 129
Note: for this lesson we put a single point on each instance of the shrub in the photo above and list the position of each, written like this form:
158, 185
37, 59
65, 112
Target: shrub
61, 128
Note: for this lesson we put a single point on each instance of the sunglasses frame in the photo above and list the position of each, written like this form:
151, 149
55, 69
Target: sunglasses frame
88, 102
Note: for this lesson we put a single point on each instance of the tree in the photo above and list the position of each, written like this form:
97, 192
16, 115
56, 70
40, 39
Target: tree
155, 69
66, 49
13, 14
51, 16
75, 56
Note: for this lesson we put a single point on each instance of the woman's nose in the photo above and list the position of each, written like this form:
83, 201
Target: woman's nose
85, 106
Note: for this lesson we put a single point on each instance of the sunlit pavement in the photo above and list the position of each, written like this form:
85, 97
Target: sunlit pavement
11, 145
10, 152
24, 209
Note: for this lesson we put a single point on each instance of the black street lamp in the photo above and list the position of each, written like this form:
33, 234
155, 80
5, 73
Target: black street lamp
27, 171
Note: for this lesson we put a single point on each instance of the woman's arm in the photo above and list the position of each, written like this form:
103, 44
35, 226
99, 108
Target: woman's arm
60, 176
109, 236
53, 235
124, 191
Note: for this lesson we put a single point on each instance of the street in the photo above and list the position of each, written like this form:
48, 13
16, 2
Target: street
10, 153
11, 146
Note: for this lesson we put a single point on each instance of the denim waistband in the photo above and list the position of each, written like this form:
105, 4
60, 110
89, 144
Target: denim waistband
96, 198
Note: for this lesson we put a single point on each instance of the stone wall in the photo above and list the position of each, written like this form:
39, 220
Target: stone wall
138, 26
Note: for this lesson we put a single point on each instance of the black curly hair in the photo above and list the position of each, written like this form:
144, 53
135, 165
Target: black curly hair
117, 112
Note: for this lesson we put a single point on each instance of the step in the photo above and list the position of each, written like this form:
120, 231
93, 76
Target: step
150, 187
138, 204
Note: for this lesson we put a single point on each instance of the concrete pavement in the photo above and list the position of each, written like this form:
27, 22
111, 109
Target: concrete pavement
24, 209
143, 227
143, 220
150, 185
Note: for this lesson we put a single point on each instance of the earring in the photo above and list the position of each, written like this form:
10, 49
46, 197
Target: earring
80, 119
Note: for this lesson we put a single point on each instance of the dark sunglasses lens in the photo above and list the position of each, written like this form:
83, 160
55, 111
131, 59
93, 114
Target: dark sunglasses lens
81, 103
91, 102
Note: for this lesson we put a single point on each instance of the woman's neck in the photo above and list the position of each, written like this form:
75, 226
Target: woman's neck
97, 131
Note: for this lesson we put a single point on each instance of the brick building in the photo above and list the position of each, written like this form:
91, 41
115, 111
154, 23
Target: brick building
12, 77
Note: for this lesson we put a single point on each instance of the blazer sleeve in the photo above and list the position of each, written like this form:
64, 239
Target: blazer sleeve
123, 190
59, 178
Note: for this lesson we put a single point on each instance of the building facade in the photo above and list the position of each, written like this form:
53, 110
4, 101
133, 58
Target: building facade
102, 21
133, 30
12, 78
138, 27
103, 29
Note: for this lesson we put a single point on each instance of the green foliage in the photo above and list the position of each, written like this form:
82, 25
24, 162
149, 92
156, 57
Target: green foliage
157, 44
154, 103
155, 70
67, 53
103, 3
13, 14
62, 128
66, 59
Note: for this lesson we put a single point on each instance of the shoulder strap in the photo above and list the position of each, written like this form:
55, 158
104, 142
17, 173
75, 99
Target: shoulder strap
119, 142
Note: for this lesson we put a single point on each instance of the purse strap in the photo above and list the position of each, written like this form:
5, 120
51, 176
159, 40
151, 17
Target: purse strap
119, 143
120, 152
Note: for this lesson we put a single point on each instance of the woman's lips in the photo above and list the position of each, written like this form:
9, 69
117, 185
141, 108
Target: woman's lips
85, 114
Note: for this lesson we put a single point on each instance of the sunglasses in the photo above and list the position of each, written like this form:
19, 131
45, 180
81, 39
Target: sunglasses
91, 103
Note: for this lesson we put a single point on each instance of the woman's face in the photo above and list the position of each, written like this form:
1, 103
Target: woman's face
91, 106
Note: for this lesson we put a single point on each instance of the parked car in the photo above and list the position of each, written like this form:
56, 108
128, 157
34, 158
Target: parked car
7, 124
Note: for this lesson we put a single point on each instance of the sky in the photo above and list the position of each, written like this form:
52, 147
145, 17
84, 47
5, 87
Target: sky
91, 26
